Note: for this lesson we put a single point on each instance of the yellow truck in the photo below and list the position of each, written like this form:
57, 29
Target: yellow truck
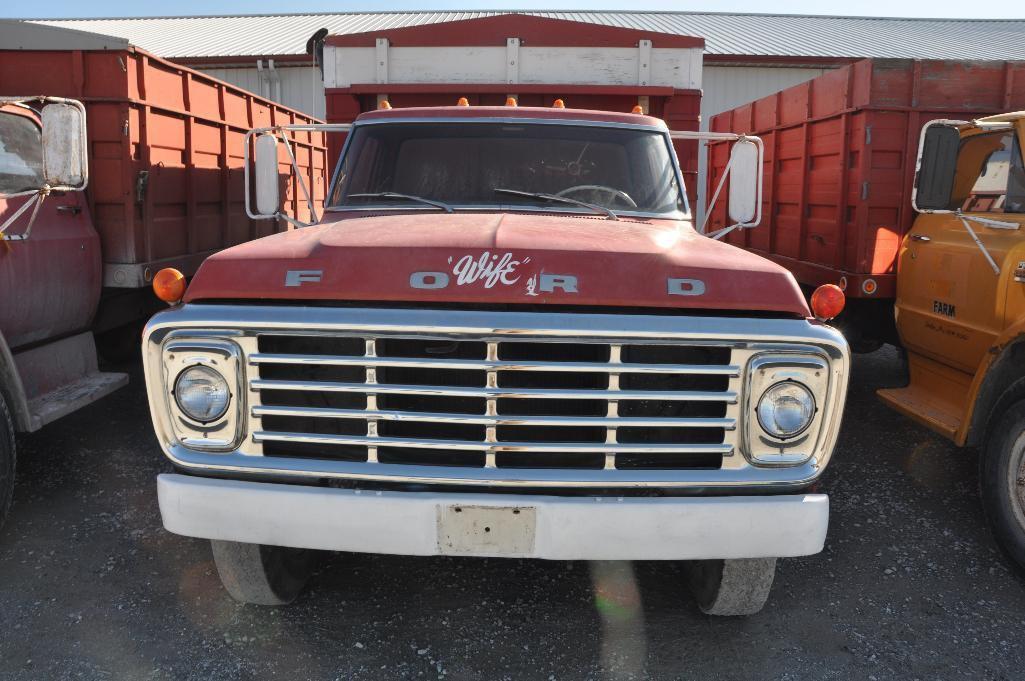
960, 307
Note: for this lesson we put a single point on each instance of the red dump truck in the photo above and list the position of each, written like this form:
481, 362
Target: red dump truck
158, 149
840, 156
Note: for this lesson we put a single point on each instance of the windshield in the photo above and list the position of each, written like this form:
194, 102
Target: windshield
490, 164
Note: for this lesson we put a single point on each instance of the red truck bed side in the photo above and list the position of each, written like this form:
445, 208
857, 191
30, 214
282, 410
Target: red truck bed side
840, 158
165, 154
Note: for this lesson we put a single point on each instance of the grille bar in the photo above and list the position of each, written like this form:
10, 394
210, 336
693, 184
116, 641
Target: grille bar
494, 365
477, 419
467, 445
728, 396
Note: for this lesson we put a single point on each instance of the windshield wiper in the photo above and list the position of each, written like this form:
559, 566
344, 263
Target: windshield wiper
409, 197
607, 212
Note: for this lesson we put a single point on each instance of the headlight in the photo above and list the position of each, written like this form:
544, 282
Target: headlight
786, 409
202, 393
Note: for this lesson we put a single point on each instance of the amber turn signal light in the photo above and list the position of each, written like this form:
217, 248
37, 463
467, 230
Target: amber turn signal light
558, 104
827, 302
169, 285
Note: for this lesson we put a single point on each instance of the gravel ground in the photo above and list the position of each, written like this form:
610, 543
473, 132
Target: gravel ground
910, 585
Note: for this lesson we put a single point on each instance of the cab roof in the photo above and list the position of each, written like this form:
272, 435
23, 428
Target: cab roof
497, 112
1004, 117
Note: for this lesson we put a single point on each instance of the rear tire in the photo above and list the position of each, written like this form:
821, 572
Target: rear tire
731, 587
1002, 483
260, 574
7, 461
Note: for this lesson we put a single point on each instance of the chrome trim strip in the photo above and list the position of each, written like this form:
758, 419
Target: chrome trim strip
534, 393
498, 365
747, 337
749, 478
477, 419
236, 320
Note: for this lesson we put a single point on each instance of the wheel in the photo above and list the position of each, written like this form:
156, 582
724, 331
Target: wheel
731, 587
260, 574
1002, 482
7, 461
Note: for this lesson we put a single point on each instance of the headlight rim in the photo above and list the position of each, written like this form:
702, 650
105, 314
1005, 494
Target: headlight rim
219, 375
788, 437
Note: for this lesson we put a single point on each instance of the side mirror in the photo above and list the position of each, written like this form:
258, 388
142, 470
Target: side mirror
268, 198
745, 183
937, 165
65, 154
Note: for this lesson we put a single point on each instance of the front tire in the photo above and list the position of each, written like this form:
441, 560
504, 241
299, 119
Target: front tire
7, 461
260, 574
731, 587
1002, 483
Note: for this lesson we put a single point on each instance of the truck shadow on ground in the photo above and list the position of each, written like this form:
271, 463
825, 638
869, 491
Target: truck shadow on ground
910, 583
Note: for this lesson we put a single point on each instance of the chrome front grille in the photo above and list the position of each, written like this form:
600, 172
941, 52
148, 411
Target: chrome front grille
481, 402
511, 399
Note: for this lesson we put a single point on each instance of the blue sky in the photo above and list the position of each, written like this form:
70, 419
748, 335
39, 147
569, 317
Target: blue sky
109, 8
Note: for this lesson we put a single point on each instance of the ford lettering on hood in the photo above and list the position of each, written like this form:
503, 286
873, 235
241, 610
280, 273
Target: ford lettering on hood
503, 258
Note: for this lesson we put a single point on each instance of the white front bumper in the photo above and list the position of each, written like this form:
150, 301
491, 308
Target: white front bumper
509, 525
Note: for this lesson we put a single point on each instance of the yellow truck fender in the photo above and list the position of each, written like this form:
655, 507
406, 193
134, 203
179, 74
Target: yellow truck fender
999, 381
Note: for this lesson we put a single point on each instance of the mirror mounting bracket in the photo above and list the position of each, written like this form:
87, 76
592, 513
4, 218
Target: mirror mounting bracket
279, 132
38, 196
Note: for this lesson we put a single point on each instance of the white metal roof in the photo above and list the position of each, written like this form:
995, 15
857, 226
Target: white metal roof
725, 34
15, 35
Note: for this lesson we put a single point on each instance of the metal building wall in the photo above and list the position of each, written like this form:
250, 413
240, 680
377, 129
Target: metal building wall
298, 87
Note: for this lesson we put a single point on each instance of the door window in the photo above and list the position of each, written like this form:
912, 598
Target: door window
990, 176
21, 154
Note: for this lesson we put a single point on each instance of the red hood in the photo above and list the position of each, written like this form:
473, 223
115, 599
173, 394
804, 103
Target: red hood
628, 263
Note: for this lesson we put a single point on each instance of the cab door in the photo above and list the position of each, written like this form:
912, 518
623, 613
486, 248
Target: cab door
50, 282
950, 300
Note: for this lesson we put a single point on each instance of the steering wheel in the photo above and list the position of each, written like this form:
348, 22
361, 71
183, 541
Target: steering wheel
611, 191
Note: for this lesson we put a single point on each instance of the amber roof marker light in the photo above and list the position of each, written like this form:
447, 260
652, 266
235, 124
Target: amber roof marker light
169, 285
384, 104
462, 101
511, 101
827, 302
558, 104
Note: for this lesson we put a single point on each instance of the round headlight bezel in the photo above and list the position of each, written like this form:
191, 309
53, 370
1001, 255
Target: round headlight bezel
789, 435
212, 373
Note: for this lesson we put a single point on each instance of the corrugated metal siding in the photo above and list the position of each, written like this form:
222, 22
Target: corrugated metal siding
301, 87
726, 87
725, 34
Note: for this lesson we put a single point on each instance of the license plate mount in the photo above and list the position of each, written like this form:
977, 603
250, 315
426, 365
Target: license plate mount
467, 530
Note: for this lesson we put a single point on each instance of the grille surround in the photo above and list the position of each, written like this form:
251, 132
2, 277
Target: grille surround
747, 338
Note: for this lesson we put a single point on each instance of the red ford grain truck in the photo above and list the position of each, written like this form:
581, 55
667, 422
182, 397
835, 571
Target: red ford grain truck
158, 150
840, 164
503, 338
